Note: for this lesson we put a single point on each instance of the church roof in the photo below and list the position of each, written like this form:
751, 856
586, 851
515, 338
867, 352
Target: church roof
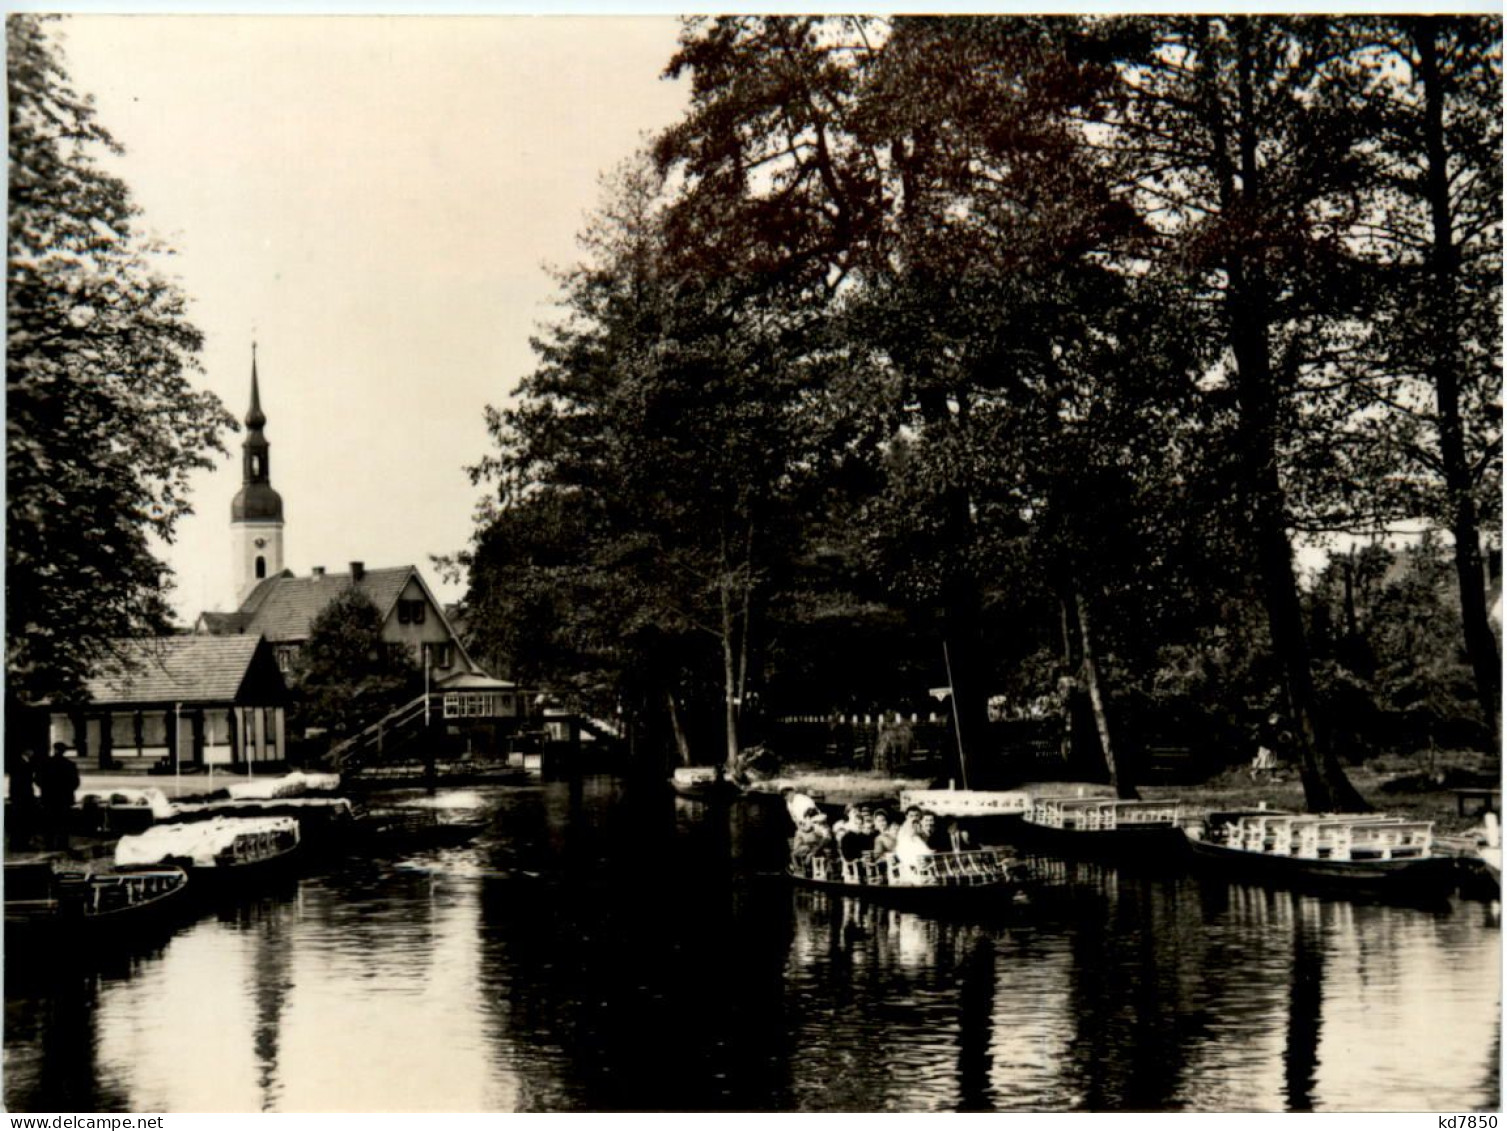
282, 608
181, 669
256, 502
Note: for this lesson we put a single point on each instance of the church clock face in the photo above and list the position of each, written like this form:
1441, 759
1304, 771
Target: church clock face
260, 542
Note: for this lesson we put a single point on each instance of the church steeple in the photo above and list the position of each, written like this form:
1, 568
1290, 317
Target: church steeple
255, 418
256, 513
255, 471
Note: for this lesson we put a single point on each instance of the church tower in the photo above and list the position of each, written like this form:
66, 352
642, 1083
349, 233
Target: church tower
256, 514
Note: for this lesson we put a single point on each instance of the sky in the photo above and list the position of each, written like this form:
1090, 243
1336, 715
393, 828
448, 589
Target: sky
373, 200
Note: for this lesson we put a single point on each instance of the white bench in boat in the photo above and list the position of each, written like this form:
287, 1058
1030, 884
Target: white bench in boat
1091, 814
1333, 836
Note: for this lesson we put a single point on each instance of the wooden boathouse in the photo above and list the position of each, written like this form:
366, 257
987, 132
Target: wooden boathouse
180, 702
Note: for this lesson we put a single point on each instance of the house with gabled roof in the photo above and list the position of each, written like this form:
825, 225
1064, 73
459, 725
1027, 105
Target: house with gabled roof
179, 701
283, 608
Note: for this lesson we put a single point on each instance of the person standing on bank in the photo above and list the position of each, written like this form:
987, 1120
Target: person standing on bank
21, 817
57, 779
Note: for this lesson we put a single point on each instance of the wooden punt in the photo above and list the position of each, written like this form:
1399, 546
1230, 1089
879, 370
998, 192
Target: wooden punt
939, 879
1351, 851
219, 854
969, 804
703, 783
1094, 826
48, 902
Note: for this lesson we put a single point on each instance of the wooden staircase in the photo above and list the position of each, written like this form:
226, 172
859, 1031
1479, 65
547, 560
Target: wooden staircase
390, 737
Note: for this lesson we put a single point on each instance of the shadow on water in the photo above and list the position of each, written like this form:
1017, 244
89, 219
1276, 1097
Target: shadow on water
638, 971
1305, 1011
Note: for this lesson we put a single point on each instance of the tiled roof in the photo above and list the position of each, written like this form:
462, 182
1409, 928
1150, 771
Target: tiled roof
181, 669
223, 624
282, 608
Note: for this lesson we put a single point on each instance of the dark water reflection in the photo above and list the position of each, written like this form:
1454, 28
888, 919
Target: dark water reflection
606, 950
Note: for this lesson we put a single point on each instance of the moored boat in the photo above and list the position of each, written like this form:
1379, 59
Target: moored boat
295, 784
991, 815
704, 783
836, 790
322, 820
1096, 825
49, 902
218, 852
117, 811
936, 879
444, 820
968, 804
1350, 851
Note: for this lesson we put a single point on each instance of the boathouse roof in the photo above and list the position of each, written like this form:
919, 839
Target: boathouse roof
189, 669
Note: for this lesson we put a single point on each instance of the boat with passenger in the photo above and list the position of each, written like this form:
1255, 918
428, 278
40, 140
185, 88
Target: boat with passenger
935, 879
1354, 851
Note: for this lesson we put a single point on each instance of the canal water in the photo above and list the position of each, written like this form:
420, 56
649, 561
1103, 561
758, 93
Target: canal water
604, 949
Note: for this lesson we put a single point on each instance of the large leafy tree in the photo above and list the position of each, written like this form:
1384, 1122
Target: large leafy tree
916, 179
346, 674
1435, 100
1246, 154
657, 428
103, 425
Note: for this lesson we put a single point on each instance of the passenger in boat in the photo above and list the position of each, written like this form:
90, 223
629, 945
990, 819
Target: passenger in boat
934, 837
884, 833
799, 806
958, 838
908, 824
852, 839
812, 838
911, 849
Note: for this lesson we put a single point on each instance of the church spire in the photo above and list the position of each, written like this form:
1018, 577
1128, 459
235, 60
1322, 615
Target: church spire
256, 513
255, 418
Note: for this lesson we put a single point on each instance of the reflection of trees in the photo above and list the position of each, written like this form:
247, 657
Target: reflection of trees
975, 1028
1135, 962
50, 1039
1305, 1011
883, 1000
634, 974
272, 980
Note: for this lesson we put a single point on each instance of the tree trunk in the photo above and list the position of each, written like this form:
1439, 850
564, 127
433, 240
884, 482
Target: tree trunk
1444, 371
1123, 786
729, 674
1325, 786
682, 747
747, 618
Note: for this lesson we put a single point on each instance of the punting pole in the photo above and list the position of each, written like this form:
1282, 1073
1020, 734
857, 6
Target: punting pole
957, 723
